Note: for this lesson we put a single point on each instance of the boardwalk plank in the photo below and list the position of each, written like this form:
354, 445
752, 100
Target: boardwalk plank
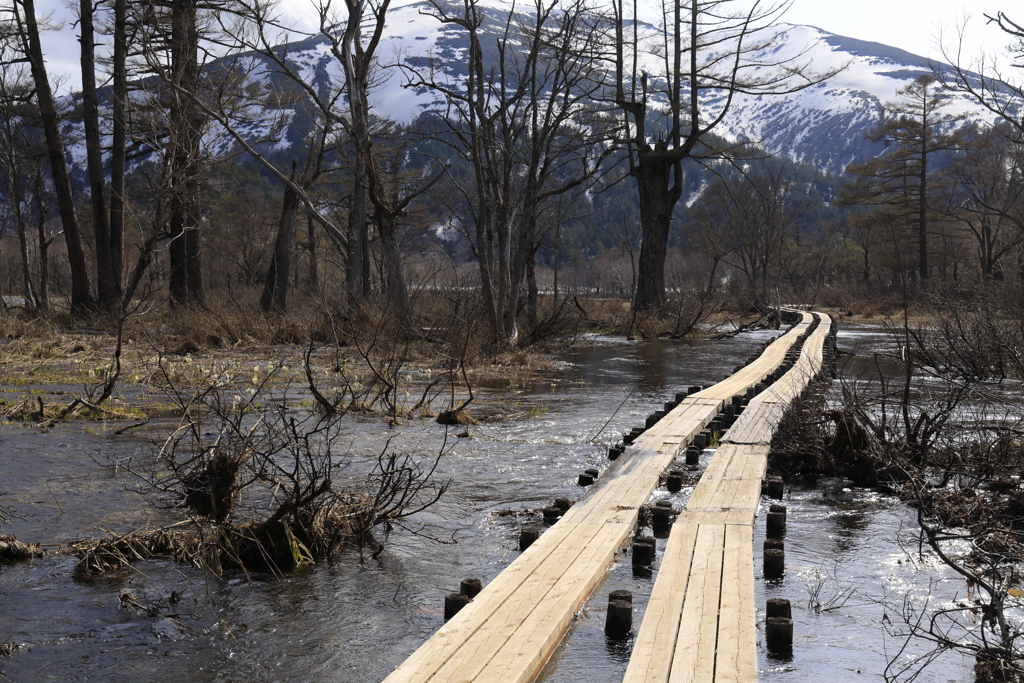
694, 658
655, 644
736, 656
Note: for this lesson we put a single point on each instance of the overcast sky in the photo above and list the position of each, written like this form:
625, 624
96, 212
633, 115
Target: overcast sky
913, 25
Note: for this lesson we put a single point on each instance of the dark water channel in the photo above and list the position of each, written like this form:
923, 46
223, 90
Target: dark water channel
354, 622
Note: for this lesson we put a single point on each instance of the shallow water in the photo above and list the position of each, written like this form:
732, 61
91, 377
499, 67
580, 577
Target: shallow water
356, 621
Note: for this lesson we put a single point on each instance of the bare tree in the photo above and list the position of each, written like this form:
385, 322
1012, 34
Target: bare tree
747, 221
917, 133
16, 157
523, 130
24, 25
345, 116
108, 228
987, 193
981, 78
707, 54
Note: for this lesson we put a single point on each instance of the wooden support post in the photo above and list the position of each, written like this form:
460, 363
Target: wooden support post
470, 587
551, 515
620, 614
643, 551
774, 563
776, 525
778, 607
453, 602
662, 513
527, 535
778, 634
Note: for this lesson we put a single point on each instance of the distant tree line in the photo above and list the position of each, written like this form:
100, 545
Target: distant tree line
562, 138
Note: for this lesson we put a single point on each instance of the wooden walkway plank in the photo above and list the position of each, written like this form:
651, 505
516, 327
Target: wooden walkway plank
693, 660
756, 424
422, 664
520, 660
655, 644
736, 656
754, 372
543, 607
682, 422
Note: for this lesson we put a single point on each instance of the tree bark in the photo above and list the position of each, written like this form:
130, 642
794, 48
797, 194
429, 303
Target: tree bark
119, 140
186, 283
81, 294
314, 267
275, 291
107, 283
398, 293
659, 192
43, 291
356, 234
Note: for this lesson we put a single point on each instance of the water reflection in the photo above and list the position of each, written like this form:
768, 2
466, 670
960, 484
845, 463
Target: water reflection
357, 621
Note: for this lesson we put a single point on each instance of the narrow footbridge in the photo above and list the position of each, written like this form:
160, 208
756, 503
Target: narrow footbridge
699, 624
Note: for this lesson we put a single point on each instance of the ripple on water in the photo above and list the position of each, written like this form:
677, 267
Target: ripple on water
355, 621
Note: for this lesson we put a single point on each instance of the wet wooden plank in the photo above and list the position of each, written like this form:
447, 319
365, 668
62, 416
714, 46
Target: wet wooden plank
520, 659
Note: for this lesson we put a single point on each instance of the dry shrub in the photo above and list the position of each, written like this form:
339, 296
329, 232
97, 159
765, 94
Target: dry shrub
13, 550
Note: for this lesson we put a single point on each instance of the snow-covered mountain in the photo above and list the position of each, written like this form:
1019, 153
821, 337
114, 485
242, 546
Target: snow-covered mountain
823, 125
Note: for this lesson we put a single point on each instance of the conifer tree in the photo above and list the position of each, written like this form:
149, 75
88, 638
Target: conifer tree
903, 180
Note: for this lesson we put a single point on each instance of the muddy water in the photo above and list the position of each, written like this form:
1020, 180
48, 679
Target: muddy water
355, 621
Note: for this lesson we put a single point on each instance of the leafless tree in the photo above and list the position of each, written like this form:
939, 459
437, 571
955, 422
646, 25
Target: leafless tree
22, 25
987, 193
981, 78
345, 117
108, 228
18, 158
750, 218
675, 85
522, 125
906, 177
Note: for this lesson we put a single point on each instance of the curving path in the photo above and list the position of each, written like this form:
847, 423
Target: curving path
705, 581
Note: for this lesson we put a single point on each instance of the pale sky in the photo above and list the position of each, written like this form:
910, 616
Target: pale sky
913, 25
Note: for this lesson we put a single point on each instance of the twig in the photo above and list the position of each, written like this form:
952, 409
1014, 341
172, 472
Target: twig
125, 429
54, 498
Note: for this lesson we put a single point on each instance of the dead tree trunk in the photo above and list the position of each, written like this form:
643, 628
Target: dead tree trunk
275, 291
81, 294
107, 283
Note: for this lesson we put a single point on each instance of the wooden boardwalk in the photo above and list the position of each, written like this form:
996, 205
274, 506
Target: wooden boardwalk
700, 624
511, 628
